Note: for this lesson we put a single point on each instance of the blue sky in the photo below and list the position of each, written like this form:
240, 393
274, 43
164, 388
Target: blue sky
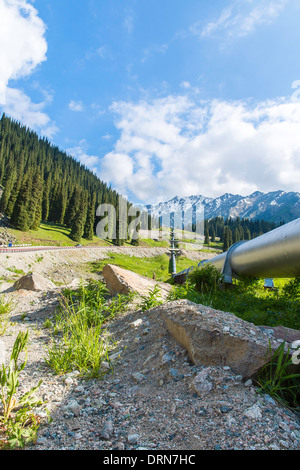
160, 98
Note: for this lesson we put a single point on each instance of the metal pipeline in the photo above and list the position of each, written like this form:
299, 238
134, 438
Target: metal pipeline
275, 254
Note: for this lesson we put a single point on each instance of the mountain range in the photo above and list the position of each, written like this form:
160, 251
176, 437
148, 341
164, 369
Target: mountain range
275, 206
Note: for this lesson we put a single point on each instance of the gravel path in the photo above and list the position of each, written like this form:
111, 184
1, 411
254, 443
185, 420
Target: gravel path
149, 401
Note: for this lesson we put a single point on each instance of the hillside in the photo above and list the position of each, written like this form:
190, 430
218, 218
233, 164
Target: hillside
42, 183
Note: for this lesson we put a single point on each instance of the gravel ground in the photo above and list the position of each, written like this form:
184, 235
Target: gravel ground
152, 400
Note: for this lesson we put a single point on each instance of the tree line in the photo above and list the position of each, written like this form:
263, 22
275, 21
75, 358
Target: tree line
41, 183
233, 229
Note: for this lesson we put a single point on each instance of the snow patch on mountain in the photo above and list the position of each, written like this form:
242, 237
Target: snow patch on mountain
275, 206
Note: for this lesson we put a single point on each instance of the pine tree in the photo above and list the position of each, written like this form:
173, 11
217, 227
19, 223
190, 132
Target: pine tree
79, 219
88, 232
46, 199
35, 202
227, 238
20, 216
206, 236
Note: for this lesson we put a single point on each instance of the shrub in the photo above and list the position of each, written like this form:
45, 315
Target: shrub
292, 288
206, 278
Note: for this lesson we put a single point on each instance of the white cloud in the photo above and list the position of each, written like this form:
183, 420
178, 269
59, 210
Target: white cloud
176, 146
22, 42
22, 48
76, 106
20, 107
80, 153
241, 18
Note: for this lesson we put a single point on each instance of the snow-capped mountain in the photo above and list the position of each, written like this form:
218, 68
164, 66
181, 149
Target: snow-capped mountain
274, 206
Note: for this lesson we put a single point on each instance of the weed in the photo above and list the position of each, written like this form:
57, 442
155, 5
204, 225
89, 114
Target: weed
82, 342
18, 423
152, 299
5, 308
13, 269
277, 379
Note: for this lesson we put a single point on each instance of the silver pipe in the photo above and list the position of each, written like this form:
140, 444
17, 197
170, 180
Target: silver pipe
274, 254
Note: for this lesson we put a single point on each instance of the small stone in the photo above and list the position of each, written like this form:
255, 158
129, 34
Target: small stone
201, 385
107, 430
248, 383
225, 409
253, 412
105, 365
69, 381
133, 438
74, 407
137, 323
138, 377
167, 358
120, 446
269, 399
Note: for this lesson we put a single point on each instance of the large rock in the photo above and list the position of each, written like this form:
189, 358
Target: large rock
215, 338
34, 282
282, 332
122, 281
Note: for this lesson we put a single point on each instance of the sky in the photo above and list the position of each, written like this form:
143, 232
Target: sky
160, 98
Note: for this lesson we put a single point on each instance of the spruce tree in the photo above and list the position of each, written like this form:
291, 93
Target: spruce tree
227, 238
79, 219
35, 201
88, 232
206, 236
20, 216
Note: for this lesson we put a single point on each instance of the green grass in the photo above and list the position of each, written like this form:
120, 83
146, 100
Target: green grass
246, 299
80, 340
5, 309
249, 301
50, 234
158, 265
149, 242
279, 379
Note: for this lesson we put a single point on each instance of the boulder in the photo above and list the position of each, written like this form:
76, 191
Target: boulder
34, 282
122, 281
282, 332
215, 338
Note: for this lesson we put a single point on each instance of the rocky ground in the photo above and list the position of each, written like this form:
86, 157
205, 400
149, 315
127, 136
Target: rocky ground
150, 400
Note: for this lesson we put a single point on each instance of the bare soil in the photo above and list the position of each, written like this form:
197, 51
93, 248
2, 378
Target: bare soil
148, 400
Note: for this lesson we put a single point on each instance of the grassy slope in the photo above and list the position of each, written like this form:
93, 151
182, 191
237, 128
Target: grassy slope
51, 235
158, 265
58, 235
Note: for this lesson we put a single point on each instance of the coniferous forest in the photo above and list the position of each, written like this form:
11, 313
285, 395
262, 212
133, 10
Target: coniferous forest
232, 230
43, 183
